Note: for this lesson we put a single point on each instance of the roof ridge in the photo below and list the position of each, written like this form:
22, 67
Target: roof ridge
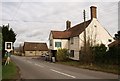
36, 42
80, 23
71, 32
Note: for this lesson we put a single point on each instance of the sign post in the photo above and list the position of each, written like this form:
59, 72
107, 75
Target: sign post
8, 48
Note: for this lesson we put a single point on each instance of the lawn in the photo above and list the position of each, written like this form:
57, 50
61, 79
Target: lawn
10, 71
101, 67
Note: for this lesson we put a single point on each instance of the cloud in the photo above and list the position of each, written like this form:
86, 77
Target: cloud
60, 1
33, 21
34, 33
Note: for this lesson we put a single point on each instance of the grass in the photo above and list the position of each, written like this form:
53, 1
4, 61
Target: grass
10, 71
101, 67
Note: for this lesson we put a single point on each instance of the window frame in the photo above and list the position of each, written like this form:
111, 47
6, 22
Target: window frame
58, 46
72, 53
72, 40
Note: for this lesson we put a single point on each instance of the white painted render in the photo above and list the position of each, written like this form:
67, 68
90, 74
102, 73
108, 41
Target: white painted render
51, 38
64, 43
75, 45
95, 32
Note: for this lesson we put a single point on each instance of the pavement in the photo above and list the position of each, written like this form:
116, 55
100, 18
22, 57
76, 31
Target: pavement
38, 69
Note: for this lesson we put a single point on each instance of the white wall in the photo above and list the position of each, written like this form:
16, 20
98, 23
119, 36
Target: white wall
64, 43
76, 55
75, 45
98, 34
51, 38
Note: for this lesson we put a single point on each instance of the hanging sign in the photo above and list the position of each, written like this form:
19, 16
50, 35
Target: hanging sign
8, 46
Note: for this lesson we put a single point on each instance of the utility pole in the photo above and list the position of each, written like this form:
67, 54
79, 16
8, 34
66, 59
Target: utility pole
84, 15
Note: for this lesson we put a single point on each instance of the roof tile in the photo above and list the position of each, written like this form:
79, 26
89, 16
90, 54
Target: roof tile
73, 31
32, 46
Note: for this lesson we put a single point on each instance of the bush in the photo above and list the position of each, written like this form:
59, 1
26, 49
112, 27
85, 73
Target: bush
110, 57
99, 53
113, 55
62, 54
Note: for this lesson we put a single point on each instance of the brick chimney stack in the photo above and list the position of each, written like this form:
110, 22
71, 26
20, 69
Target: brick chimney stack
93, 10
68, 24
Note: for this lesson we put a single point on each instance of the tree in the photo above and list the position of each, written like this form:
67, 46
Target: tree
8, 35
0, 39
117, 36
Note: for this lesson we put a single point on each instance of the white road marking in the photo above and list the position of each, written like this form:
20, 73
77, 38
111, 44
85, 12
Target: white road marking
62, 73
39, 65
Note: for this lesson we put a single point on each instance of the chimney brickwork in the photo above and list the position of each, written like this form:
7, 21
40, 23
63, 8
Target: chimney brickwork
68, 24
93, 12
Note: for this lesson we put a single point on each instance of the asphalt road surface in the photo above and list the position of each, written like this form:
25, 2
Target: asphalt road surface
38, 69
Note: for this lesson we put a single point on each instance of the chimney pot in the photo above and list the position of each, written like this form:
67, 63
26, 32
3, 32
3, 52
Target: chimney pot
68, 24
93, 12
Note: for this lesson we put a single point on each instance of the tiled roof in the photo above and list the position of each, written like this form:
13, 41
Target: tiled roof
60, 34
73, 31
78, 29
32, 46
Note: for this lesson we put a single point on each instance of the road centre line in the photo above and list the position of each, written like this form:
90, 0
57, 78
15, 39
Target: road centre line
39, 65
62, 73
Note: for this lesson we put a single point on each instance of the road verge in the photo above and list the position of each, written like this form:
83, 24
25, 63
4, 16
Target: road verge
10, 72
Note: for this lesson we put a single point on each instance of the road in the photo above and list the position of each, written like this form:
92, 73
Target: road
38, 69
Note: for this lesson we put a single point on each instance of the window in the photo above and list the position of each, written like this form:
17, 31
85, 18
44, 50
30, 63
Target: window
72, 40
95, 26
50, 42
71, 53
109, 40
57, 44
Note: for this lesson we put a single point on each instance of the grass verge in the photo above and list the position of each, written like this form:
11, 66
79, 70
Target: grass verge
10, 71
101, 67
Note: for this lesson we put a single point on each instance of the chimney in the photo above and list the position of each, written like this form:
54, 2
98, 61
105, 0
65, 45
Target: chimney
68, 24
93, 12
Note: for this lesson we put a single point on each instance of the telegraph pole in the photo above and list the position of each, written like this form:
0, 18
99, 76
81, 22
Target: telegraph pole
84, 15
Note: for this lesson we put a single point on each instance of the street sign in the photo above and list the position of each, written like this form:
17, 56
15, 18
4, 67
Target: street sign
8, 46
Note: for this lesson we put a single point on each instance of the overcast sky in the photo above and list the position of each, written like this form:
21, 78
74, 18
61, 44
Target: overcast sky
33, 20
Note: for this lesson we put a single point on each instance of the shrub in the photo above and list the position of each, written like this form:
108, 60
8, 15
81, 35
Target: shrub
99, 53
62, 54
113, 55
